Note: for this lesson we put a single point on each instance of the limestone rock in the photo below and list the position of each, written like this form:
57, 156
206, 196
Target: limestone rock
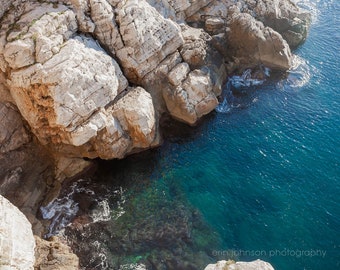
147, 36
4, 6
63, 99
53, 255
192, 99
231, 265
199, 52
106, 29
38, 34
178, 10
16, 238
254, 44
5, 95
283, 16
136, 114
82, 9
12, 131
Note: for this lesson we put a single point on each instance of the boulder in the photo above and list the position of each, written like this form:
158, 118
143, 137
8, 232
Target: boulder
136, 114
64, 99
53, 255
192, 99
282, 16
147, 36
231, 265
252, 43
16, 238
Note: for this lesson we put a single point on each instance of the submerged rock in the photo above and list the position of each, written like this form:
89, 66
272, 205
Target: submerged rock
231, 265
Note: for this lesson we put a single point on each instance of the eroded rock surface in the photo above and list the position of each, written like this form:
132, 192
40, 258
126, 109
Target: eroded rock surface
53, 254
254, 44
92, 78
16, 238
231, 265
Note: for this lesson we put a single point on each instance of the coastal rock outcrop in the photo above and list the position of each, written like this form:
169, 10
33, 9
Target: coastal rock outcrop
231, 265
92, 78
68, 87
282, 16
16, 238
253, 44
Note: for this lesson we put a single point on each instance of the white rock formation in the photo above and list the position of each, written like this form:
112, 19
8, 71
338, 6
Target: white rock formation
147, 36
136, 114
231, 265
73, 90
16, 238
191, 99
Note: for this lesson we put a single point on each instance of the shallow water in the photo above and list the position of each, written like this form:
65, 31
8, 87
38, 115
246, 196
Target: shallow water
259, 178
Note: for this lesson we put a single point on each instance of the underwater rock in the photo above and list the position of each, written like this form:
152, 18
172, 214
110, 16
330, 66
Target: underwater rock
231, 265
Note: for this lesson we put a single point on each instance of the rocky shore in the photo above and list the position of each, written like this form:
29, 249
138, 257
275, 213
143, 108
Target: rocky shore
88, 79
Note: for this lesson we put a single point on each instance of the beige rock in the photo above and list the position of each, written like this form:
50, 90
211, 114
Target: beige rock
254, 44
156, 81
82, 10
69, 167
283, 16
231, 265
106, 30
4, 6
193, 99
63, 100
12, 131
38, 34
194, 51
5, 95
147, 36
179, 73
54, 255
16, 238
136, 114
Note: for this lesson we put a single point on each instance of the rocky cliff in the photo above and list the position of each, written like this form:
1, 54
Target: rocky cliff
92, 78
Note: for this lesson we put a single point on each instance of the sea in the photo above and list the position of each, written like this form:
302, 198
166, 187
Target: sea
258, 178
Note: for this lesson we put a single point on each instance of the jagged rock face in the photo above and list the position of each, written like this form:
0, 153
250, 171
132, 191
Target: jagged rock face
178, 10
136, 114
16, 238
4, 6
64, 99
12, 131
74, 92
254, 44
148, 38
283, 16
53, 254
64, 86
231, 265
192, 98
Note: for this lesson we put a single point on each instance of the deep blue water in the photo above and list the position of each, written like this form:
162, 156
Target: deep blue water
265, 173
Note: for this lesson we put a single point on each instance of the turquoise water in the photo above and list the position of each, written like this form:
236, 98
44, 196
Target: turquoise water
263, 175
266, 174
